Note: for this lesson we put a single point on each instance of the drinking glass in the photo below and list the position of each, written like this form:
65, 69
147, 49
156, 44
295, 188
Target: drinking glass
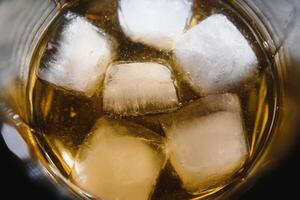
23, 22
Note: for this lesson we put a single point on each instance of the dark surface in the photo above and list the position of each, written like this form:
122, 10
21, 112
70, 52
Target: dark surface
15, 183
280, 183
277, 184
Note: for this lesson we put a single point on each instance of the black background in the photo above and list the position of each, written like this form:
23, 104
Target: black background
15, 183
280, 183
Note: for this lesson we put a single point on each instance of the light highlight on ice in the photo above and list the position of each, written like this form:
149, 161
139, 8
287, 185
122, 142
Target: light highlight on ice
138, 89
215, 56
83, 54
156, 23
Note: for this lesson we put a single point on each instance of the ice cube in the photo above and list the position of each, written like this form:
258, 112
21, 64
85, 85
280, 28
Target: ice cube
206, 145
119, 160
206, 105
82, 56
215, 56
217, 102
156, 23
203, 106
139, 88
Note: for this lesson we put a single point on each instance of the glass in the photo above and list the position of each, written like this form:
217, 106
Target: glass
23, 22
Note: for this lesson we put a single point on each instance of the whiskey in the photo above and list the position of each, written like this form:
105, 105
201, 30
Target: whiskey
67, 118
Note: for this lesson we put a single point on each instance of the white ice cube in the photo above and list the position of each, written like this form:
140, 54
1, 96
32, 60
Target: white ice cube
154, 22
206, 105
206, 140
215, 56
211, 103
82, 56
139, 88
120, 161
207, 150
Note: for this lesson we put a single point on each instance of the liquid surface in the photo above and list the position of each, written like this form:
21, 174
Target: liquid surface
65, 118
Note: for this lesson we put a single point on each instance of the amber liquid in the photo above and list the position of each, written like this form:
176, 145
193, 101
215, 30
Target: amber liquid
62, 119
